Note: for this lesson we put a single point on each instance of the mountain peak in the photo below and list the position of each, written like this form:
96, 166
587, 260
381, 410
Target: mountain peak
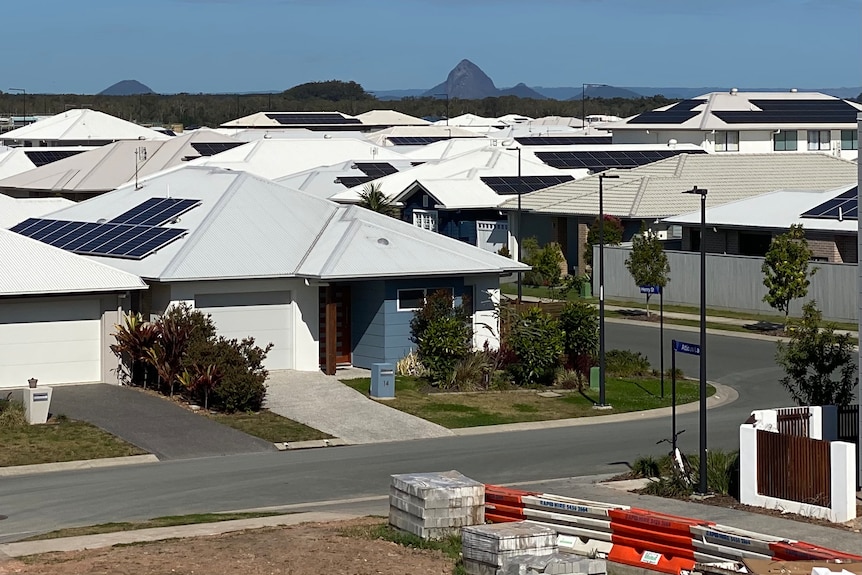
466, 81
126, 88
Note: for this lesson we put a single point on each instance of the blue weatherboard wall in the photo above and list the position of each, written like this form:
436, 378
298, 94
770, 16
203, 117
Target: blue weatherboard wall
458, 224
381, 333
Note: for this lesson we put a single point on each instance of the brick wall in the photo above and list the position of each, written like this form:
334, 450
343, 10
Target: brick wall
848, 249
823, 245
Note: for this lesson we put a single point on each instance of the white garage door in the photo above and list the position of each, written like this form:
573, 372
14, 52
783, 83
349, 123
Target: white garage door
53, 341
266, 316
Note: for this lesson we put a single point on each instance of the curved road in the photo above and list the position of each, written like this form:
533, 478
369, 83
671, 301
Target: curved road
48, 501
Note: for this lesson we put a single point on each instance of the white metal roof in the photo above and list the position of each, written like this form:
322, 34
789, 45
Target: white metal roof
15, 160
247, 227
381, 137
107, 167
774, 210
655, 190
29, 267
323, 182
390, 118
81, 125
262, 120
16, 210
274, 159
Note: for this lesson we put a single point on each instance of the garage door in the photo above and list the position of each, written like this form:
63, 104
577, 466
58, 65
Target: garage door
266, 316
53, 341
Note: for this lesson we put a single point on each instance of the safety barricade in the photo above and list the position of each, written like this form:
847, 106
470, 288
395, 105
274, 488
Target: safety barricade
730, 543
802, 551
504, 505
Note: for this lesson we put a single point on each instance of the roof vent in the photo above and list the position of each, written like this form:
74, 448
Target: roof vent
793, 90
734, 91
671, 143
383, 241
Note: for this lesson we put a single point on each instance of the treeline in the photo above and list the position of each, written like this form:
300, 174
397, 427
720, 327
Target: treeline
215, 109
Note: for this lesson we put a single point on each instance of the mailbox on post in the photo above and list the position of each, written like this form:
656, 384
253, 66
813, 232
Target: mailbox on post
382, 381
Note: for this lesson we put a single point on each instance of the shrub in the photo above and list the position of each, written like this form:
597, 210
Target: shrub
410, 365
568, 379
722, 471
671, 486
537, 342
443, 334
646, 467
240, 364
470, 373
546, 262
626, 363
11, 413
580, 324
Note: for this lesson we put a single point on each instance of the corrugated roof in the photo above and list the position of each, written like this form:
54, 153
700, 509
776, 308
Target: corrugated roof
655, 190
390, 118
82, 125
247, 226
16, 210
107, 167
29, 267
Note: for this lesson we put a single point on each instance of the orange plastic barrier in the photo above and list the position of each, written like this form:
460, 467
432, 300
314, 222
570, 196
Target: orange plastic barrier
655, 521
516, 513
802, 551
494, 518
505, 495
637, 556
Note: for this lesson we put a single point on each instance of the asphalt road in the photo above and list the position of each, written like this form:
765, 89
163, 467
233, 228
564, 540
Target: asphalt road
38, 503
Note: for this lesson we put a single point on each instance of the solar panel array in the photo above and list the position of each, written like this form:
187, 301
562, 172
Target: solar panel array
415, 140
376, 169
301, 118
213, 148
155, 211
563, 140
605, 159
108, 239
676, 114
514, 185
845, 206
353, 181
44, 157
793, 112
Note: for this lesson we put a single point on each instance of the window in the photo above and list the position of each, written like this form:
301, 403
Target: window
818, 140
784, 141
425, 219
849, 140
727, 141
412, 299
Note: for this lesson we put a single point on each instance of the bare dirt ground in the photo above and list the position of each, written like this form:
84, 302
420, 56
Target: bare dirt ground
306, 549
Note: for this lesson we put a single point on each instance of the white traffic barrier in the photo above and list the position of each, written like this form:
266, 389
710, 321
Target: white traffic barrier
733, 542
569, 505
590, 523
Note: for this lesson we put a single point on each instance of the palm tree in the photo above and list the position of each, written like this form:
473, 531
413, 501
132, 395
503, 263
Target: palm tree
372, 198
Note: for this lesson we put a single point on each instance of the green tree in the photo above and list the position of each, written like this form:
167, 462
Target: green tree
785, 269
443, 334
332, 90
372, 198
813, 357
613, 236
546, 262
579, 321
647, 262
537, 342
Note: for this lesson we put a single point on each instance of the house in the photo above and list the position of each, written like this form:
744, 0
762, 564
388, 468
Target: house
327, 181
323, 282
57, 313
653, 192
406, 138
78, 127
746, 227
79, 176
16, 160
325, 121
749, 122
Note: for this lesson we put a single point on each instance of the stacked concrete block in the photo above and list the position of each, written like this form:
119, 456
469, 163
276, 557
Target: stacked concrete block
434, 505
555, 564
489, 549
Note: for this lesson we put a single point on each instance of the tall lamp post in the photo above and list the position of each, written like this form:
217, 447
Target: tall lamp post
584, 101
602, 177
24, 92
702, 487
447, 109
518, 233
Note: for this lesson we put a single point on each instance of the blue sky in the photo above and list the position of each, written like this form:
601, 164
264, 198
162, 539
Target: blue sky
83, 46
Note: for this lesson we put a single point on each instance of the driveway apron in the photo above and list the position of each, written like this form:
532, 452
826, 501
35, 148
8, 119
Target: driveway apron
152, 423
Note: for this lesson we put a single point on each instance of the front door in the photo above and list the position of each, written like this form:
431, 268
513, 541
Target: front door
334, 306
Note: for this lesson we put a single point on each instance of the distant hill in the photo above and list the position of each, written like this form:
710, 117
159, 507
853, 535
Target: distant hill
126, 88
466, 81
605, 92
522, 91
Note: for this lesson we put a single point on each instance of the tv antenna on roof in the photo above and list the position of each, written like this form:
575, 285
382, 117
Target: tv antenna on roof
140, 156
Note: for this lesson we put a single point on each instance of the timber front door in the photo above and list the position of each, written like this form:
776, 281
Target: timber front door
334, 306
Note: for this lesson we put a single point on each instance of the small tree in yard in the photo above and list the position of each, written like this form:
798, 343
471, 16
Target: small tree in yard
580, 324
812, 357
647, 262
546, 263
613, 236
785, 269
443, 334
537, 342
372, 198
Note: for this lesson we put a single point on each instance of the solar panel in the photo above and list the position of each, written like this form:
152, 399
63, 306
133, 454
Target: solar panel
213, 148
155, 211
353, 181
376, 169
563, 140
43, 157
844, 206
108, 239
513, 185
605, 159
667, 117
415, 140
301, 118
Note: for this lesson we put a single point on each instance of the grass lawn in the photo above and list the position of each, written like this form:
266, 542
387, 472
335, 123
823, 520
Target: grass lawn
59, 440
454, 410
168, 521
269, 426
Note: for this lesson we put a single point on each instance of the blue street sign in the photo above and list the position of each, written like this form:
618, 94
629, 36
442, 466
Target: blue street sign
682, 347
650, 289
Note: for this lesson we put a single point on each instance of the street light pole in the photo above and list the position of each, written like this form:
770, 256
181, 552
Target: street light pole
24, 92
447, 109
518, 233
602, 177
702, 487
